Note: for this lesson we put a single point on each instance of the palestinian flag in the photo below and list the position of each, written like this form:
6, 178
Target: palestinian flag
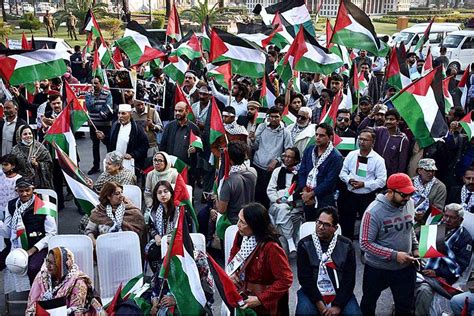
468, 125
247, 58
195, 141
60, 133
435, 216
139, 45
222, 74
53, 307
432, 241
45, 205
226, 288
181, 272
267, 94
424, 38
116, 301
176, 69
87, 48
260, 116
180, 166
361, 166
307, 55
91, 25
97, 70
448, 98
75, 179
463, 86
24, 42
205, 37
290, 190
117, 58
173, 30
397, 75
287, 117
428, 65
180, 97
353, 28
421, 104
182, 198
78, 114
21, 235
217, 126
347, 143
189, 46
285, 32
32, 66
294, 11
259, 34
329, 117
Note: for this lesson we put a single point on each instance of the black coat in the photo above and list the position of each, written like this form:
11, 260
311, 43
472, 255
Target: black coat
137, 144
19, 122
343, 257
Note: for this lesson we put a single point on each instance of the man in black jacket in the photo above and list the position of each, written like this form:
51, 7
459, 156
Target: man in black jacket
126, 137
327, 286
9, 126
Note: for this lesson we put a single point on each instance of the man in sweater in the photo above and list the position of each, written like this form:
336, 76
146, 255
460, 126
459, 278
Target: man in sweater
269, 142
390, 245
326, 270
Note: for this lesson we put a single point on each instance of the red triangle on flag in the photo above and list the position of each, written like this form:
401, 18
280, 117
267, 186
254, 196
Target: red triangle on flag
115, 302
297, 49
342, 19
181, 193
433, 253
39, 203
328, 34
194, 43
467, 118
40, 311
218, 47
149, 54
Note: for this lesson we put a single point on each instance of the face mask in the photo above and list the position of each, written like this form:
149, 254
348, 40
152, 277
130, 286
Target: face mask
27, 143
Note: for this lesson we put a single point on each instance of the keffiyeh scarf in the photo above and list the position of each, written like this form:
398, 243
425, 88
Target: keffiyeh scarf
467, 199
421, 195
117, 219
235, 129
237, 168
163, 228
249, 243
324, 283
312, 180
17, 220
295, 131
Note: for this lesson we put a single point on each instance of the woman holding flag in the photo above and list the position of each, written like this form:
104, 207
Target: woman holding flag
258, 265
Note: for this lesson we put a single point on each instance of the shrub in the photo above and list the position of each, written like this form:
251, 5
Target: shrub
5, 30
158, 22
30, 22
112, 25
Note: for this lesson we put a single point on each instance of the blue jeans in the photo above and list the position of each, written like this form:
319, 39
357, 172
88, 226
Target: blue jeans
457, 303
306, 307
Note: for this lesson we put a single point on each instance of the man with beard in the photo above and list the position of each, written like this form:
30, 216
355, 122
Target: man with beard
249, 120
126, 138
175, 140
40, 96
37, 229
464, 195
238, 98
365, 106
323, 102
99, 105
373, 83
302, 132
190, 89
269, 142
233, 130
411, 63
9, 126
148, 120
392, 144
362, 58
390, 245
201, 107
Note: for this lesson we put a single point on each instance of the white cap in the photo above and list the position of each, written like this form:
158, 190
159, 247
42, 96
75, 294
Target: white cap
125, 108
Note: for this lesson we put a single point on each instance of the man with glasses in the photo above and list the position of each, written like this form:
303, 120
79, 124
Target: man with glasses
458, 242
269, 142
343, 123
302, 132
390, 245
326, 270
284, 210
363, 173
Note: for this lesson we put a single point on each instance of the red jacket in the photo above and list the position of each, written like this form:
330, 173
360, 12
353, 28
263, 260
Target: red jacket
268, 266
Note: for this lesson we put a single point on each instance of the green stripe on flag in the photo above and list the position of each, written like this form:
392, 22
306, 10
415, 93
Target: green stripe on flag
244, 67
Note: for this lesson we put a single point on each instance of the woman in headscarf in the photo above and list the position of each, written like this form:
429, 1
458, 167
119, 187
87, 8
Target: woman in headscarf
114, 213
34, 160
114, 171
258, 265
61, 277
163, 219
162, 171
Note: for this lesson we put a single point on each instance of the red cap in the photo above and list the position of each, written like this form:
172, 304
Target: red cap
400, 182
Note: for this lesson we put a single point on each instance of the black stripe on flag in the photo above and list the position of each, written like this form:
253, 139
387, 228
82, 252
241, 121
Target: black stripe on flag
439, 128
154, 41
362, 18
234, 40
253, 28
281, 7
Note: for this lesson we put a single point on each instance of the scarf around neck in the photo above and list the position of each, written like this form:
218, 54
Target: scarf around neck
249, 243
324, 283
312, 180
17, 220
467, 199
117, 219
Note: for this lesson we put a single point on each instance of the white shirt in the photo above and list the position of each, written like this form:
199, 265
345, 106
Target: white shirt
7, 136
123, 138
376, 172
240, 107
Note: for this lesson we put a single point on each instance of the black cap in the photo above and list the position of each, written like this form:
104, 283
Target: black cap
24, 182
365, 99
336, 77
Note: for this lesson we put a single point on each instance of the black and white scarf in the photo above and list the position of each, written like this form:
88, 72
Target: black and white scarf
17, 219
117, 219
163, 228
324, 283
467, 198
249, 243
312, 180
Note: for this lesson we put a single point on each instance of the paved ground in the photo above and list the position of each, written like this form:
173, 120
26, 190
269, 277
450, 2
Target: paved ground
69, 220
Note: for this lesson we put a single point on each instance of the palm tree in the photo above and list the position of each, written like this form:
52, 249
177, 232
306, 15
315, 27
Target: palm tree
79, 8
199, 12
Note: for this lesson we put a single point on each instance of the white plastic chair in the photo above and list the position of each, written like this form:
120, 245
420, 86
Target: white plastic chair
229, 237
199, 242
45, 193
309, 227
468, 223
118, 261
134, 194
82, 248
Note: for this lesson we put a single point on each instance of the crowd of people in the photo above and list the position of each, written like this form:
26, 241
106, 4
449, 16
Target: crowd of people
278, 176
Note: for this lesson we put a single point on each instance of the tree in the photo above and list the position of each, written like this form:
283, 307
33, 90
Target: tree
199, 12
5, 30
113, 25
79, 8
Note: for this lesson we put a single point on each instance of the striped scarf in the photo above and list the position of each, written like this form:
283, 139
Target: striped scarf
16, 225
312, 180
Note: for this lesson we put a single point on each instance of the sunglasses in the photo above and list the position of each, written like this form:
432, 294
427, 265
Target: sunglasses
403, 195
340, 119
301, 117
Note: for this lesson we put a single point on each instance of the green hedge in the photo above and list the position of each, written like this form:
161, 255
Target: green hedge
421, 12
452, 18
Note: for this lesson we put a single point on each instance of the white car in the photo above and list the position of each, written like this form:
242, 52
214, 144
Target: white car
460, 49
57, 44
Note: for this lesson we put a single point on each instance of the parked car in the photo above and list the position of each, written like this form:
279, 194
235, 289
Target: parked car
460, 49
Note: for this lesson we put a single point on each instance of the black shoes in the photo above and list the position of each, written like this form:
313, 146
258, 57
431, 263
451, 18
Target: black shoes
93, 170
